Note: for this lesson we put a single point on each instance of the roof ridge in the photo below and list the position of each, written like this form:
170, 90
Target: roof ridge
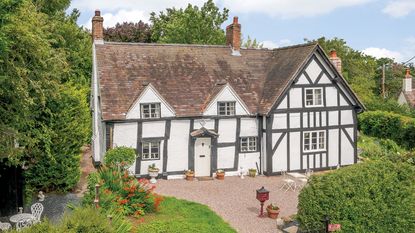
297, 46
159, 44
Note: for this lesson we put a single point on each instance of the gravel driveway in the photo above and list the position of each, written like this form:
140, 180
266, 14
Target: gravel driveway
234, 199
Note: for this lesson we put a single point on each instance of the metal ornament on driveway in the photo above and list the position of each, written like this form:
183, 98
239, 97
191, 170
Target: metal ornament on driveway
262, 195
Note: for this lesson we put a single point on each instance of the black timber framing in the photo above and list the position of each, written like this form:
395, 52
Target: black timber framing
109, 132
268, 144
165, 144
260, 135
214, 150
179, 118
139, 148
191, 149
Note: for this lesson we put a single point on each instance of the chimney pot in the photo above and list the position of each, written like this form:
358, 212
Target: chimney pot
408, 73
333, 53
235, 20
407, 81
97, 13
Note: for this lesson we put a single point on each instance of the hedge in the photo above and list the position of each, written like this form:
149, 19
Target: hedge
389, 125
374, 196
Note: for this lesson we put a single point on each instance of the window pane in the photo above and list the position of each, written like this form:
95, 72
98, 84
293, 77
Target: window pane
317, 96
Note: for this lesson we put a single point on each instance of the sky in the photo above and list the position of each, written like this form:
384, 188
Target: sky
380, 28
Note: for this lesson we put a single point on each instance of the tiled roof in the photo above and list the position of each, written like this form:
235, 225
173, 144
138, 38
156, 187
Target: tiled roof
187, 76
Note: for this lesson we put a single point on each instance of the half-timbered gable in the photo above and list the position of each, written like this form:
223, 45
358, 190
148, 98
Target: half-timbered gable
214, 107
313, 125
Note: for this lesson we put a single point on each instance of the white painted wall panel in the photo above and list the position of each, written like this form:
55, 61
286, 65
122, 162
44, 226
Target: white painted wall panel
304, 158
324, 161
318, 119
347, 117
305, 120
317, 161
312, 120
323, 118
264, 152
295, 120
275, 137
153, 129
227, 130
333, 118
351, 133
225, 95
178, 146
303, 80
248, 160
283, 104
159, 162
149, 96
226, 157
295, 151
331, 96
125, 134
296, 100
313, 70
324, 80
343, 102
280, 121
311, 161
333, 147
249, 127
279, 160
347, 156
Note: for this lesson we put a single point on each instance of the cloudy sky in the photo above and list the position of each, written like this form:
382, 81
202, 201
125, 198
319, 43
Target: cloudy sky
376, 27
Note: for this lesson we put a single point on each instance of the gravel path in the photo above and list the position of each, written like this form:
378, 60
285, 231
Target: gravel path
234, 199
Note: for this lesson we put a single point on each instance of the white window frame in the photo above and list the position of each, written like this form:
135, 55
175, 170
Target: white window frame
228, 108
314, 97
250, 144
150, 155
156, 107
320, 144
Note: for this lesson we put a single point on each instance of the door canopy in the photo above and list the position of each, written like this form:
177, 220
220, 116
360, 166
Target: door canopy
203, 132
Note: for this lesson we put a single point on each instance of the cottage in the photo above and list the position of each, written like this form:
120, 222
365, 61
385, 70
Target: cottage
209, 107
407, 95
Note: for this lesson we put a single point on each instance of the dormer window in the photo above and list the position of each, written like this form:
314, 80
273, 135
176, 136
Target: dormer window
226, 108
150, 110
313, 97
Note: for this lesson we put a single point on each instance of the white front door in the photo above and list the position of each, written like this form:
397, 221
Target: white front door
202, 157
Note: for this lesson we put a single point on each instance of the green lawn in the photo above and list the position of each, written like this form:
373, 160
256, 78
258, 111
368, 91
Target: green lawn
180, 216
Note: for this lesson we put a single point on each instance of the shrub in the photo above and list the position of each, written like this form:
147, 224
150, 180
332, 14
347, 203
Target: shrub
124, 156
389, 125
76, 222
374, 196
123, 193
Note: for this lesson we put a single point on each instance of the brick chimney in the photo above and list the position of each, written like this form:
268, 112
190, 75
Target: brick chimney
98, 28
337, 62
407, 81
233, 36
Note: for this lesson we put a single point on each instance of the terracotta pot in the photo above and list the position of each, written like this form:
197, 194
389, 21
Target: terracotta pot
273, 213
220, 176
190, 177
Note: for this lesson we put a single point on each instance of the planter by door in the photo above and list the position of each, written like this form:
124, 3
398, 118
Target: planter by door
202, 156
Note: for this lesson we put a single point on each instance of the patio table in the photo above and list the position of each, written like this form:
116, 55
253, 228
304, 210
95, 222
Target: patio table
17, 217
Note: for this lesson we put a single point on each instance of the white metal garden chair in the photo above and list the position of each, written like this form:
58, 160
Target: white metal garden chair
37, 210
23, 223
288, 183
5, 226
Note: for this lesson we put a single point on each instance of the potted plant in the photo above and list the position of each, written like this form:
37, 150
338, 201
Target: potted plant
273, 210
189, 175
153, 172
220, 174
252, 172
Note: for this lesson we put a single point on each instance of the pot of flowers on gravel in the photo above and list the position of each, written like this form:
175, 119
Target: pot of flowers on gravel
252, 172
189, 175
153, 172
273, 210
220, 174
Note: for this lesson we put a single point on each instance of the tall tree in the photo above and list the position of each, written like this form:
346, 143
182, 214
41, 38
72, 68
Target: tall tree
192, 25
251, 43
129, 32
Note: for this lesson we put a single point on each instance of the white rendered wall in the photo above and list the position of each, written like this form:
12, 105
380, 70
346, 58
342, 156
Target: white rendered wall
125, 134
208, 123
149, 95
153, 129
295, 151
331, 96
279, 159
296, 96
227, 130
313, 70
346, 117
347, 156
402, 99
226, 157
280, 121
248, 160
249, 127
226, 95
178, 146
333, 146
